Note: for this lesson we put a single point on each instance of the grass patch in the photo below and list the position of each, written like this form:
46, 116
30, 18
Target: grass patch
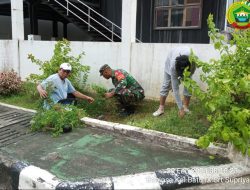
20, 100
193, 125
27, 98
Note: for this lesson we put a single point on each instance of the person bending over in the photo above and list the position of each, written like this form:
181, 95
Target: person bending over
175, 64
127, 90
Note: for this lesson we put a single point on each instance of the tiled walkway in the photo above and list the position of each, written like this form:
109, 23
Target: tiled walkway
14, 125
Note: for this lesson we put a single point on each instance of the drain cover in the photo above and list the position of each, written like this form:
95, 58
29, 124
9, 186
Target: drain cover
14, 125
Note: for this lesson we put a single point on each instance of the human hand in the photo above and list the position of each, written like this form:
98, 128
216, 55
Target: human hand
181, 113
90, 99
43, 93
109, 94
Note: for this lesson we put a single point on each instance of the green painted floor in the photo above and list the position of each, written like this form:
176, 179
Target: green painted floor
89, 152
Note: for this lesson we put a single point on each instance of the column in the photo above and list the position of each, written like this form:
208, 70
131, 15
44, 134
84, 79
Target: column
226, 9
129, 8
17, 20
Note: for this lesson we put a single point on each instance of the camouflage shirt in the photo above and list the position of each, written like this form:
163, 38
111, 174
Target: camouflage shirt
122, 79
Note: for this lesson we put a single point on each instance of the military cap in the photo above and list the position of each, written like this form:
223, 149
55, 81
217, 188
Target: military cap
106, 66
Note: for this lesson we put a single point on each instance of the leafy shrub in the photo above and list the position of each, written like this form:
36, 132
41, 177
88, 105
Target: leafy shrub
29, 89
10, 83
56, 118
228, 93
101, 104
100, 90
79, 74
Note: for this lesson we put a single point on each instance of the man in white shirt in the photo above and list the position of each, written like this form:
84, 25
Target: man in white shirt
176, 62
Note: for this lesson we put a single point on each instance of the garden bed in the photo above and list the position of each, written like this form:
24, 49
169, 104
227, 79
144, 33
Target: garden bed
192, 125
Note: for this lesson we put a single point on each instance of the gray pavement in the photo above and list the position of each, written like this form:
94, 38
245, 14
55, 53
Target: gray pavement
94, 151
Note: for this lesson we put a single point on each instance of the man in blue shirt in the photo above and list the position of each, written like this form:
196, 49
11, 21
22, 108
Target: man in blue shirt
60, 87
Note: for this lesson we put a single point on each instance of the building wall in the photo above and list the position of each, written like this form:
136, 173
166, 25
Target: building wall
111, 9
147, 60
44, 30
9, 55
144, 29
147, 33
5, 32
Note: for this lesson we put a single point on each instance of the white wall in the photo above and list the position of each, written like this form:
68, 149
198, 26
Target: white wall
9, 58
42, 50
147, 60
147, 63
96, 54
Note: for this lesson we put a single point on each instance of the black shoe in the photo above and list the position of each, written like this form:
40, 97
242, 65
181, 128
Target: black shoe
126, 112
130, 109
67, 129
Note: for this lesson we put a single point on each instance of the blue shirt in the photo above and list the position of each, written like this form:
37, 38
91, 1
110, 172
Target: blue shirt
59, 88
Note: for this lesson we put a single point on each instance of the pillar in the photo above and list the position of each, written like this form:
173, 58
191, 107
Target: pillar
129, 8
17, 20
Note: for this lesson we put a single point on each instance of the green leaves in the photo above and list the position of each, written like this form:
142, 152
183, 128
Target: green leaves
203, 141
225, 135
217, 45
62, 51
212, 107
56, 118
100, 90
228, 87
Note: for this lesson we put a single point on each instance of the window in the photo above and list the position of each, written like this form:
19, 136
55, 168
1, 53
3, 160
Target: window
177, 14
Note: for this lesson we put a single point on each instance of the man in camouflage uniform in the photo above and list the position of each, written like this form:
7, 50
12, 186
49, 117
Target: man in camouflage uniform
127, 90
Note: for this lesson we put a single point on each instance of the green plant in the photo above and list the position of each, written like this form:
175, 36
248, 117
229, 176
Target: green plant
192, 125
10, 83
100, 90
101, 104
29, 89
228, 93
56, 118
62, 51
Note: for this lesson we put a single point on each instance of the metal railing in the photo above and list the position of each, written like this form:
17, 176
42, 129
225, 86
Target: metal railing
90, 21
109, 26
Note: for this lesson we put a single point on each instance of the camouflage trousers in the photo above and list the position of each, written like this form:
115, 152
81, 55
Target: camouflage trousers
127, 96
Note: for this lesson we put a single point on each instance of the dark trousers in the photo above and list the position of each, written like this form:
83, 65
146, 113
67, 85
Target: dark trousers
71, 99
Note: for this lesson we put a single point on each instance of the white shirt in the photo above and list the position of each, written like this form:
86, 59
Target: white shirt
170, 61
170, 69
